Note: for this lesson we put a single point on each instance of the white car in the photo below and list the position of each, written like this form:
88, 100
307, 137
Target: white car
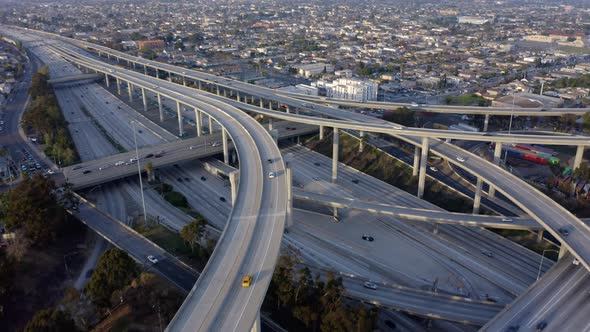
370, 285
272, 175
152, 259
461, 159
50, 171
576, 262
434, 169
414, 105
506, 220
192, 147
215, 144
119, 163
103, 167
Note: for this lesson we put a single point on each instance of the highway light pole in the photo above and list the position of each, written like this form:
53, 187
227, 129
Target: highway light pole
542, 258
139, 171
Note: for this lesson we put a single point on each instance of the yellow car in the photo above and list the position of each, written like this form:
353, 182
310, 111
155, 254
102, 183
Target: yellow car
247, 281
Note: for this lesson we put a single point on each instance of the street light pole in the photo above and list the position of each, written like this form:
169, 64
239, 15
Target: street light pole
542, 258
139, 172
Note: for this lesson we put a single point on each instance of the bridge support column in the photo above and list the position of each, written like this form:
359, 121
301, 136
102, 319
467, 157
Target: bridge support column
579, 157
199, 85
144, 69
435, 230
486, 121
130, 91
238, 96
540, 235
119, 86
321, 132
233, 181
361, 141
261, 103
256, 327
497, 155
423, 160
416, 161
335, 148
288, 109
224, 92
335, 214
198, 121
562, 251
269, 124
477, 198
289, 176
217, 88
210, 125
179, 114
270, 105
157, 73
145, 105
133, 64
225, 149
160, 108
169, 76
184, 80
106, 80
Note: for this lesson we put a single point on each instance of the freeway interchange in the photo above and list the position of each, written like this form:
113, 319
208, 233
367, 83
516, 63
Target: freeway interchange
255, 227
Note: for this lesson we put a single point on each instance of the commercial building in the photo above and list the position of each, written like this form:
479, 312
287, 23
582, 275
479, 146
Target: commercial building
151, 44
352, 88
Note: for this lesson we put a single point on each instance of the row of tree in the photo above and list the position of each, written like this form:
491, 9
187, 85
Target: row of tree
304, 302
44, 117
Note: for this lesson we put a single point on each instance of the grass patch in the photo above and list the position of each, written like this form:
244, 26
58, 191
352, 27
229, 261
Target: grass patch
467, 100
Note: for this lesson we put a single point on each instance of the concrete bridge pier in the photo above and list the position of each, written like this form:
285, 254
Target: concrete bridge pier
199, 85
361, 141
225, 92
335, 213
416, 161
133, 64
144, 69
270, 105
144, 99
210, 125
119, 86
233, 181
269, 124
106, 79
169, 76
184, 80
562, 251
225, 148
497, 155
179, 114
335, 148
321, 132
130, 91
157, 73
257, 327
423, 160
486, 121
261, 104
288, 109
477, 198
238, 96
217, 89
435, 230
579, 156
540, 234
198, 121
160, 107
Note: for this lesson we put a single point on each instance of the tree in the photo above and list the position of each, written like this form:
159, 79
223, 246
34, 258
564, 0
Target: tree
149, 168
115, 269
193, 232
179, 45
6, 278
49, 320
403, 116
32, 208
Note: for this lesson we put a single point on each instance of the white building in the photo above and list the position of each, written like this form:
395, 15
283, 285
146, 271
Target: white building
300, 89
314, 69
472, 20
352, 88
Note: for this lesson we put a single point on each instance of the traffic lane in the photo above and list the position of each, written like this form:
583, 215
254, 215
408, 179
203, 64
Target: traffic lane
176, 273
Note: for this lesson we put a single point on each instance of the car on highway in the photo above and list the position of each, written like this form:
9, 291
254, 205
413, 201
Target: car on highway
192, 147
317, 164
272, 175
215, 144
76, 167
367, 238
506, 219
461, 159
87, 171
152, 259
564, 231
269, 161
434, 169
222, 199
513, 328
487, 253
541, 326
247, 280
203, 178
103, 167
414, 105
315, 178
355, 181
370, 285
119, 163
576, 261
149, 155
